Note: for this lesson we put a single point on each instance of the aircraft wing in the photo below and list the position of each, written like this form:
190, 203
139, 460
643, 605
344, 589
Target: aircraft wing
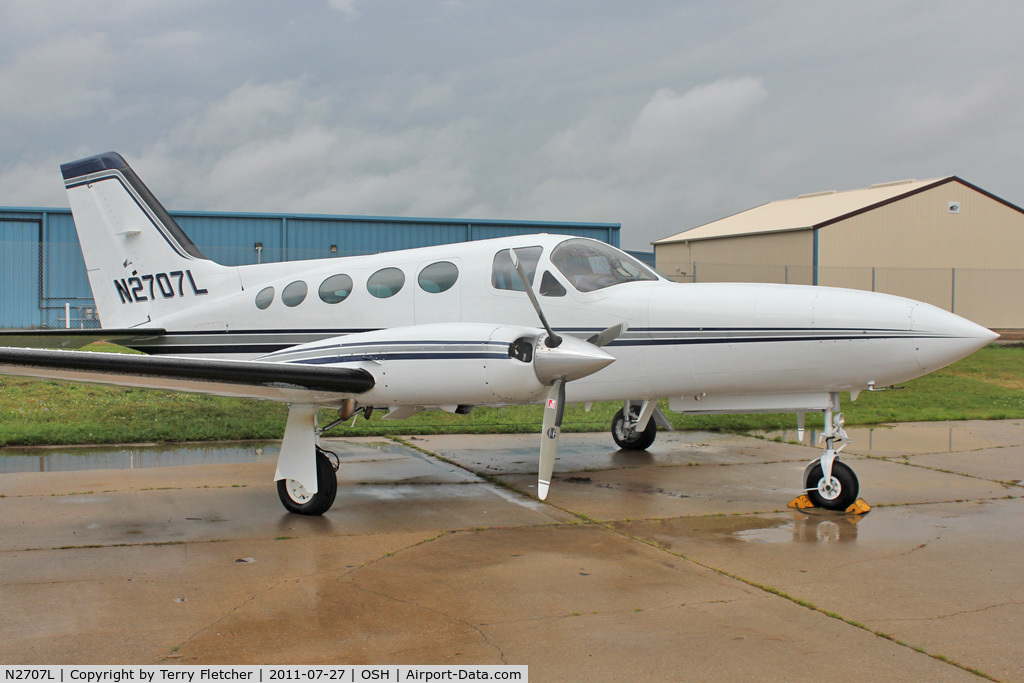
284, 382
73, 339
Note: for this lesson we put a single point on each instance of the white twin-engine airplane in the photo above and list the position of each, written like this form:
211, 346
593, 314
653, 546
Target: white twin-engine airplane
456, 326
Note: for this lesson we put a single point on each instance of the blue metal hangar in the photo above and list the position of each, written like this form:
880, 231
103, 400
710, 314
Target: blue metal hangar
42, 275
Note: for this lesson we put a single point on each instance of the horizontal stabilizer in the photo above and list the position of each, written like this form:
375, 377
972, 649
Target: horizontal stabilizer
284, 382
73, 339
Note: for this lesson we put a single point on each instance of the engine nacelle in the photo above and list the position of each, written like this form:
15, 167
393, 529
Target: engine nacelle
452, 363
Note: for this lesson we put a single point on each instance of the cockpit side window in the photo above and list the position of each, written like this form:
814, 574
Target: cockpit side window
590, 265
503, 273
549, 286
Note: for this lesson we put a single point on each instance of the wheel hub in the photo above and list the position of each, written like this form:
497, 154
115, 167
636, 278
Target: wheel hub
829, 490
297, 491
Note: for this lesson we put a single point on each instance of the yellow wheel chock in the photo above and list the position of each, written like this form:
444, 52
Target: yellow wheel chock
802, 502
859, 507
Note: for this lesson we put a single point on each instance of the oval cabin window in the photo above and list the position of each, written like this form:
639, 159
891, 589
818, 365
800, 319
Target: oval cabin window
438, 277
294, 294
335, 289
386, 282
264, 298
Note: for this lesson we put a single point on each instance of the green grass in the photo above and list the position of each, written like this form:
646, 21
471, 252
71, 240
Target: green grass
987, 385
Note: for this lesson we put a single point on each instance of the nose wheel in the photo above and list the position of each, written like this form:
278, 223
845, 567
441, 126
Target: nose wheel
838, 492
829, 483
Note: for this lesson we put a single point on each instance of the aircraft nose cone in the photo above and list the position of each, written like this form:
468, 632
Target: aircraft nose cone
949, 339
572, 359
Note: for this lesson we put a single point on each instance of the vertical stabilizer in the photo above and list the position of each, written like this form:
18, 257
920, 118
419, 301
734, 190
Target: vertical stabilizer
141, 264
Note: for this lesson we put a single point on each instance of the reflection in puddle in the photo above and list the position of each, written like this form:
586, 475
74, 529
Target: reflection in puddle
806, 528
897, 440
140, 457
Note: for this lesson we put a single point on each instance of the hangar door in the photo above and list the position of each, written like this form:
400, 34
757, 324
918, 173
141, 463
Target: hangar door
20, 255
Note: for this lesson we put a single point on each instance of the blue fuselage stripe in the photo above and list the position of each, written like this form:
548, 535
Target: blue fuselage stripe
751, 340
640, 337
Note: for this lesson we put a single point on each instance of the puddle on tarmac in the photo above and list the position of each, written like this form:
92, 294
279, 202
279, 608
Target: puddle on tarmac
914, 525
805, 528
812, 527
140, 457
897, 440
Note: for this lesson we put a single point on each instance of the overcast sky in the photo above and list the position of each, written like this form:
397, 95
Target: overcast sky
658, 115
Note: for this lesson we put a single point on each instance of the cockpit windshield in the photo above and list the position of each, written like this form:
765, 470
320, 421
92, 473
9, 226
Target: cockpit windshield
590, 266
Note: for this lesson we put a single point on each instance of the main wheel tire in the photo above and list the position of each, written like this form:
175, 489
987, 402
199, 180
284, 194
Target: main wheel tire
633, 440
838, 494
297, 499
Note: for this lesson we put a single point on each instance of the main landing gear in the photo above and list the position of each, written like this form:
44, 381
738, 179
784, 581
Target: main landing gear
829, 483
307, 480
296, 498
635, 426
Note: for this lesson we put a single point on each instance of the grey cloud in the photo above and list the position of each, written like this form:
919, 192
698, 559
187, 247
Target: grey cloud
347, 7
56, 82
659, 115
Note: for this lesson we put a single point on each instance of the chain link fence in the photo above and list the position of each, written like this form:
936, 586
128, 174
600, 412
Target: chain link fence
989, 297
45, 285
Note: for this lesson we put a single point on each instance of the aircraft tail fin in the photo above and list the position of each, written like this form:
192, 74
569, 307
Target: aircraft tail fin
141, 264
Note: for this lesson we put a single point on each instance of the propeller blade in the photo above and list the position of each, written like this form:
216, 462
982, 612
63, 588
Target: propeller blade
553, 339
605, 337
554, 408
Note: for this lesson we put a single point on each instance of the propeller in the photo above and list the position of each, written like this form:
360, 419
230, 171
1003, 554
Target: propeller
606, 336
559, 360
554, 408
553, 340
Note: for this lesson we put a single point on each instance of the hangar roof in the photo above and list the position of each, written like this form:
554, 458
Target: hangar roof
807, 211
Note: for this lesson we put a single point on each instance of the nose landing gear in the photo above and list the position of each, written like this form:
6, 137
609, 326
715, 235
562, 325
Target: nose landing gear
838, 492
829, 483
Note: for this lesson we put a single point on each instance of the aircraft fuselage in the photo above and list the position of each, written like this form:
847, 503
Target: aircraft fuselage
688, 341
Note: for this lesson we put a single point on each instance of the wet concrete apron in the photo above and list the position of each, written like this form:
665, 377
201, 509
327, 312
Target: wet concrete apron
680, 563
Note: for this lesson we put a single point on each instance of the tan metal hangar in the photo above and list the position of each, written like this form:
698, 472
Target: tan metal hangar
943, 241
